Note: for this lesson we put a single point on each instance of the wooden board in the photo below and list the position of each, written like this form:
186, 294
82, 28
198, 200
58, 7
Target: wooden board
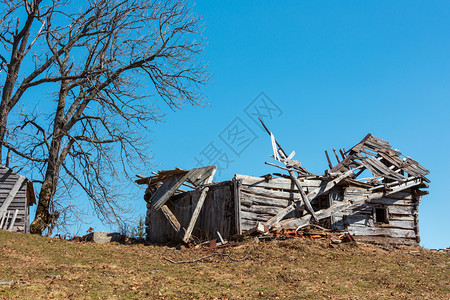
380, 231
276, 183
217, 214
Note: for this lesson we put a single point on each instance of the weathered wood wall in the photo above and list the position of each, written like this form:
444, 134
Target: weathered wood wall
262, 199
217, 214
19, 202
236, 206
402, 225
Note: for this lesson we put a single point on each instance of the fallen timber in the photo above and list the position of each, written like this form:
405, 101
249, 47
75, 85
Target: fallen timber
381, 208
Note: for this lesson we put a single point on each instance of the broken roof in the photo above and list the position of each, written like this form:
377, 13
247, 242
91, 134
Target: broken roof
377, 156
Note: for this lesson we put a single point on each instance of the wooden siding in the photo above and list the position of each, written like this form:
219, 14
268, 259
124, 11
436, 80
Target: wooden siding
254, 199
19, 202
217, 214
400, 228
261, 199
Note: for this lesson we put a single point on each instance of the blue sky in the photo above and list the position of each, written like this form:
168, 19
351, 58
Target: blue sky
336, 70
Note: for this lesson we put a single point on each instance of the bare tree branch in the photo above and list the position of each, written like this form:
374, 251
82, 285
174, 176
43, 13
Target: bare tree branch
111, 62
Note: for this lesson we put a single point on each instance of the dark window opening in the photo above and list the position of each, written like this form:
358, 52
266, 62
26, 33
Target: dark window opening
326, 223
381, 215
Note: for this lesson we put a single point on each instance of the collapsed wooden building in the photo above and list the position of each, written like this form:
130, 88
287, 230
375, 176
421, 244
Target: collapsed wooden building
185, 205
16, 196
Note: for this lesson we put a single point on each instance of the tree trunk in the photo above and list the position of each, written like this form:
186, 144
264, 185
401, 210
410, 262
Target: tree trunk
42, 218
3, 118
48, 189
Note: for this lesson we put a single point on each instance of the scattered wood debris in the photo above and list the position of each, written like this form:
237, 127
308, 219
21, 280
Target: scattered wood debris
382, 207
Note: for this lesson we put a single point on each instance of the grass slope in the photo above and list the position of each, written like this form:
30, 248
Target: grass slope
277, 269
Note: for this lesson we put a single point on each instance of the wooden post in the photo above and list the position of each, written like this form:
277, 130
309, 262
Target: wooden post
13, 220
337, 157
302, 193
329, 160
172, 220
198, 207
292, 175
311, 195
342, 153
237, 205
6, 219
2, 219
280, 215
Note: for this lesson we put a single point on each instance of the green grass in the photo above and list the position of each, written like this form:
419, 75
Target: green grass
276, 269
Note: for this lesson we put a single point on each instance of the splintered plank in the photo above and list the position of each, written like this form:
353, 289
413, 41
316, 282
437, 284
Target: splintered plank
172, 220
200, 175
324, 188
280, 215
199, 205
167, 189
325, 213
13, 220
304, 197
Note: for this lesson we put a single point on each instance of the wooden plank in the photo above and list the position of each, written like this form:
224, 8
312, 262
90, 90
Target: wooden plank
13, 220
391, 201
2, 219
201, 175
167, 189
172, 219
381, 231
237, 205
276, 183
251, 199
401, 217
304, 197
361, 219
403, 186
291, 195
277, 218
6, 219
325, 213
294, 223
262, 209
330, 165
337, 157
387, 240
325, 187
405, 224
199, 205
12, 194
401, 210
343, 163
252, 216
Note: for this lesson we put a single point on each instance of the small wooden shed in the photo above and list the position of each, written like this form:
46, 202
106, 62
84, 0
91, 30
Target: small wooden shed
184, 205
16, 196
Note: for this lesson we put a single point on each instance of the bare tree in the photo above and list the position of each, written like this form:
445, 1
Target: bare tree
14, 38
111, 62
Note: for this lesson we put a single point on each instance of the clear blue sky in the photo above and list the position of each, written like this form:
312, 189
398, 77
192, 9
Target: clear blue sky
336, 70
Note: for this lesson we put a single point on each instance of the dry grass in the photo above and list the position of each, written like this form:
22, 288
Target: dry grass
297, 268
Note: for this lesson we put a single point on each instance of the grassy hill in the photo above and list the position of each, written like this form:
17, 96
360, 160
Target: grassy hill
53, 268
